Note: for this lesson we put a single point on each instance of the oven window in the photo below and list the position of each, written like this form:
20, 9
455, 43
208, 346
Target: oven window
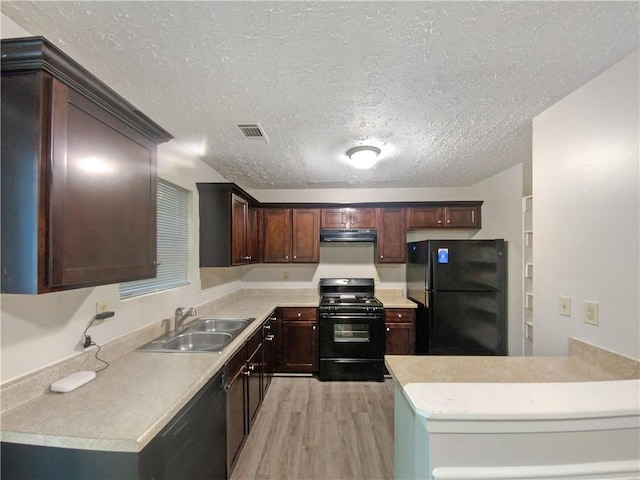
350, 332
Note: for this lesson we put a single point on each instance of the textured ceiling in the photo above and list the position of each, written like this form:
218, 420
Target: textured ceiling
447, 90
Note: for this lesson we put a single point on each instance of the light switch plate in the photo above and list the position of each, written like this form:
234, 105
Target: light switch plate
565, 306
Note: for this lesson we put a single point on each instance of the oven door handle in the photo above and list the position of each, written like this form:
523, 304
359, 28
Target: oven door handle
351, 360
352, 318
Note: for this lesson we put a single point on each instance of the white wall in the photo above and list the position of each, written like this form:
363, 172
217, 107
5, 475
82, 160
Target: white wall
502, 218
586, 218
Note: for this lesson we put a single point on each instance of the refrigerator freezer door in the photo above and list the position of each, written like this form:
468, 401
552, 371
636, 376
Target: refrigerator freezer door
416, 271
468, 265
467, 323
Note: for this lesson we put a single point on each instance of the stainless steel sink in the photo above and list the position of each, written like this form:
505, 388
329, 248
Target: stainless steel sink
198, 341
219, 324
201, 335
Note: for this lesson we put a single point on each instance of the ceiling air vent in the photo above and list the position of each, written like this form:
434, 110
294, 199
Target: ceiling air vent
252, 131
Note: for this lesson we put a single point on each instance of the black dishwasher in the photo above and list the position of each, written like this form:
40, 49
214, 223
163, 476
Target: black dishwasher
192, 446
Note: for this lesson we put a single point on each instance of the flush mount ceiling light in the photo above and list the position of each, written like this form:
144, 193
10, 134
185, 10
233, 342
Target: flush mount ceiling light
364, 156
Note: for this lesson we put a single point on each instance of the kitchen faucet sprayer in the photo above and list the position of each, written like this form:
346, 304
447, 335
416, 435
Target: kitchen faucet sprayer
181, 315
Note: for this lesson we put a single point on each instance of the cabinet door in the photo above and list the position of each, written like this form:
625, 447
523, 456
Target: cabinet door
235, 373
400, 339
277, 235
425, 217
239, 220
306, 235
333, 218
362, 218
235, 399
462, 217
299, 347
270, 352
253, 235
254, 384
103, 196
392, 236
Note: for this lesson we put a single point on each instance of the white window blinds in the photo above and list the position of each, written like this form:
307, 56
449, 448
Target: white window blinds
173, 243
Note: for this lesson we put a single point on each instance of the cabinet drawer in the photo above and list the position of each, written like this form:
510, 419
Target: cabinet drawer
292, 314
399, 315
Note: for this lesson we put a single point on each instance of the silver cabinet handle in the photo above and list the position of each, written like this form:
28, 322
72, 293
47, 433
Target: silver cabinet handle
286, 257
314, 327
295, 256
388, 329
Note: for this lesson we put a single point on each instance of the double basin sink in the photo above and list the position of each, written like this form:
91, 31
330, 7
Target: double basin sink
201, 335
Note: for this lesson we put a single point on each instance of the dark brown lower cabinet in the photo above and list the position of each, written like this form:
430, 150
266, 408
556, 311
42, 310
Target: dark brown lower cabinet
255, 368
270, 352
235, 373
400, 332
299, 332
248, 379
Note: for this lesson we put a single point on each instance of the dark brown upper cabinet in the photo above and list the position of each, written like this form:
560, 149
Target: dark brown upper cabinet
229, 226
78, 176
444, 216
291, 235
244, 235
348, 217
392, 235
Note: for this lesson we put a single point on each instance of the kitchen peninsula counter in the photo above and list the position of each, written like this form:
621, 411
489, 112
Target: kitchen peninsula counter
495, 369
135, 397
514, 417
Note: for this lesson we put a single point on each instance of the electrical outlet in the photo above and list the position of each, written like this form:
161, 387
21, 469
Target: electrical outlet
285, 275
565, 305
591, 314
101, 306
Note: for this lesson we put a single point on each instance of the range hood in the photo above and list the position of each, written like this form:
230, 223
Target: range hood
348, 235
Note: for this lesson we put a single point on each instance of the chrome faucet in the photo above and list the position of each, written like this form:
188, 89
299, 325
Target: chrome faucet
181, 314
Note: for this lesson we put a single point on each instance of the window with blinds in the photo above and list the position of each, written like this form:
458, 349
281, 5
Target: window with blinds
173, 243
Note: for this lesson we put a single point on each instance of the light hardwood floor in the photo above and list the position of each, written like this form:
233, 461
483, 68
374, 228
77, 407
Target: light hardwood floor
307, 429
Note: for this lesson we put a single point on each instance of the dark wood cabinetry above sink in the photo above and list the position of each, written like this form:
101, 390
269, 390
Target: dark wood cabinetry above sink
78, 176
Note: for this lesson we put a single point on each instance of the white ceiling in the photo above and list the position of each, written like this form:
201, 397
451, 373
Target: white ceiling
447, 90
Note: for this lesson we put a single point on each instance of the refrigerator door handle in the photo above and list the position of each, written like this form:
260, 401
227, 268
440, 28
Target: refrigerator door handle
427, 273
426, 298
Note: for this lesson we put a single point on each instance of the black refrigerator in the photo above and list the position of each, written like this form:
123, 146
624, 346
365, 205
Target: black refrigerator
460, 289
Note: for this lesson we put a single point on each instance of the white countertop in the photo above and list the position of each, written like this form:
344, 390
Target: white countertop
525, 401
132, 400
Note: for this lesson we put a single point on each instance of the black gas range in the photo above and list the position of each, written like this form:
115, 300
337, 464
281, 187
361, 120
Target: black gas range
350, 330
